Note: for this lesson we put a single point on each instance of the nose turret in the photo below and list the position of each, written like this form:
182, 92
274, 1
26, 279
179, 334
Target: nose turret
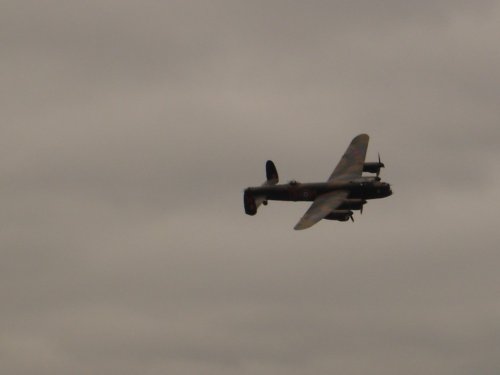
388, 189
383, 189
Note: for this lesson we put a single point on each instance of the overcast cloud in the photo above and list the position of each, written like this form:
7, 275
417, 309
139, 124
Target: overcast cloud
130, 129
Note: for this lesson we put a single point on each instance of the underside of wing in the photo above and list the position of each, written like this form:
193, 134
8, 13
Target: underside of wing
321, 207
351, 164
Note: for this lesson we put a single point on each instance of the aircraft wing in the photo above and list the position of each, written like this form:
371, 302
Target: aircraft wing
321, 207
351, 164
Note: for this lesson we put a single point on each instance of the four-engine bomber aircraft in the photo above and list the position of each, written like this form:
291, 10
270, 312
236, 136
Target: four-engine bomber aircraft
345, 190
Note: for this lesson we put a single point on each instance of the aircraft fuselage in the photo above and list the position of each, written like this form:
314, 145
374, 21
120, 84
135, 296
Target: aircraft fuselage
295, 191
309, 191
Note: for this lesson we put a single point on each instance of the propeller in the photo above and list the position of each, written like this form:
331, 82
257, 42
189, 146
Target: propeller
380, 164
352, 218
362, 206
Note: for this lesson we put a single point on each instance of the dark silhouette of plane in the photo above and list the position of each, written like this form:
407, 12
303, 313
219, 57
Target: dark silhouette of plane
345, 190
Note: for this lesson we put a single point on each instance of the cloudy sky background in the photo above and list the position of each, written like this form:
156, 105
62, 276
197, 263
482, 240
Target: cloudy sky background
130, 129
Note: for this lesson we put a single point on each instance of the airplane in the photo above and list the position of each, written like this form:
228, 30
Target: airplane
345, 190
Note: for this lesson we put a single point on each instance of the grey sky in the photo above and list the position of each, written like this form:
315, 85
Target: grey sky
130, 130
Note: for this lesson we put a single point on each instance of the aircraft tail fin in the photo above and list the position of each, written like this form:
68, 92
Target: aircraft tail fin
252, 202
271, 173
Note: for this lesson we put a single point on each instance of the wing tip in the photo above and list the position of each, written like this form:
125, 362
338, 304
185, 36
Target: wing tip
362, 136
302, 225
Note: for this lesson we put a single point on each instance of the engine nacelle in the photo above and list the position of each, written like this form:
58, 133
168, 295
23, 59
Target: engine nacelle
340, 215
352, 204
373, 167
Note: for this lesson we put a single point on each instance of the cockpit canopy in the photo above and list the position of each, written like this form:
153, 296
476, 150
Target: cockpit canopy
293, 182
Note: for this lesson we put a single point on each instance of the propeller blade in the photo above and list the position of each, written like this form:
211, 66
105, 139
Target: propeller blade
352, 219
381, 165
